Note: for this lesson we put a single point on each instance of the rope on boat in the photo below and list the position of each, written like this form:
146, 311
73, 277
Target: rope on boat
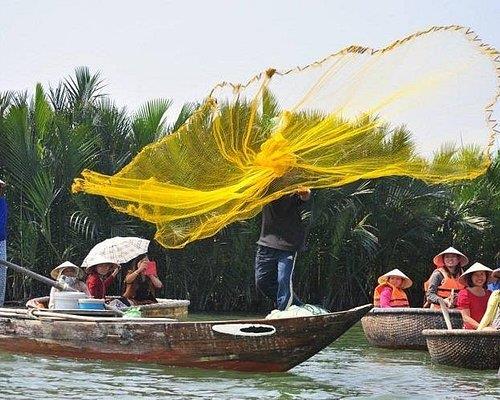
34, 313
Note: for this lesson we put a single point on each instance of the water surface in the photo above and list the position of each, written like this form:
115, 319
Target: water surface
349, 369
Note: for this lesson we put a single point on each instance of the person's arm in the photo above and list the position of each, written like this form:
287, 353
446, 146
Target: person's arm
92, 286
155, 281
463, 304
385, 297
109, 280
3, 211
467, 318
434, 282
132, 276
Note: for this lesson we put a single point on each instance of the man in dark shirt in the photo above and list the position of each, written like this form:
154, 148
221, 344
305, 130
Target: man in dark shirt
282, 235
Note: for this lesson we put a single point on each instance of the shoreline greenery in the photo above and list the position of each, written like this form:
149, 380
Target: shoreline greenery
358, 231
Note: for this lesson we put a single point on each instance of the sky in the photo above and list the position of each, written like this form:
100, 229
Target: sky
181, 49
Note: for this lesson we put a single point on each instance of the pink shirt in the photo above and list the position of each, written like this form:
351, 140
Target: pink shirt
385, 297
475, 304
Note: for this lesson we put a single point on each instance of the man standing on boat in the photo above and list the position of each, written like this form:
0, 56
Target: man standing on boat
3, 242
283, 234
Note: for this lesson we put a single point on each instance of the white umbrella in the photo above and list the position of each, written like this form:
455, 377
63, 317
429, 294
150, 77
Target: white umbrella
117, 250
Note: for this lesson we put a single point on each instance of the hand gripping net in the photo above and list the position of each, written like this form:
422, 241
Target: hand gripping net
422, 107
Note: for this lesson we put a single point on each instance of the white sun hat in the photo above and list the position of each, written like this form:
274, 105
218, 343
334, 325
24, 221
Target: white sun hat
407, 282
462, 258
61, 267
476, 267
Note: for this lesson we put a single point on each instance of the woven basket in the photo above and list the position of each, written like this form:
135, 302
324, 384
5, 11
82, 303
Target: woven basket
165, 308
401, 328
464, 348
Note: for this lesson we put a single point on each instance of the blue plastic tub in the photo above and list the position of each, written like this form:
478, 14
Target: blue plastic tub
91, 304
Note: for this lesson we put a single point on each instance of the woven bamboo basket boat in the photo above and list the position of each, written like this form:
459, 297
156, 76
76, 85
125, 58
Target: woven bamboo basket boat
401, 328
464, 348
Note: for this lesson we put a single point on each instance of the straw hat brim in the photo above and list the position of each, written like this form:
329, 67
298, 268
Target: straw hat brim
57, 270
407, 282
462, 258
476, 267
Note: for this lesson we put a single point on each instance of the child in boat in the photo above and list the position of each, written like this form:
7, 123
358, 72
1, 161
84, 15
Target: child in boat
141, 281
69, 274
390, 291
473, 299
99, 278
444, 281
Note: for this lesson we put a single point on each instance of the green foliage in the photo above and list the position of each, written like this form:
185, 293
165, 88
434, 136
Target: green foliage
358, 232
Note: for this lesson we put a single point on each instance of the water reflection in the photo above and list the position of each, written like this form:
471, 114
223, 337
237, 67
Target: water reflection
347, 369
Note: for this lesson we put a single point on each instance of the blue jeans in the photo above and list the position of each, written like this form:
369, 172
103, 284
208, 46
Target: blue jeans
3, 271
273, 275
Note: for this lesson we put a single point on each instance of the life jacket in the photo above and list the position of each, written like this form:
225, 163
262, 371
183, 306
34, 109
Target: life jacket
398, 296
448, 284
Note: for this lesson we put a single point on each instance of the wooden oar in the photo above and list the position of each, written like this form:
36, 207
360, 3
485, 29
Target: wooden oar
446, 314
36, 276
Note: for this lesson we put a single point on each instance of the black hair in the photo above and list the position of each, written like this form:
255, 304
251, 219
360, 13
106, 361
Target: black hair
468, 279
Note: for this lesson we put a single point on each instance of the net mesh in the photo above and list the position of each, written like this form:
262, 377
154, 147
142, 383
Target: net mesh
421, 107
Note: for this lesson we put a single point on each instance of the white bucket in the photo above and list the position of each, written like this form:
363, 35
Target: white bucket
67, 300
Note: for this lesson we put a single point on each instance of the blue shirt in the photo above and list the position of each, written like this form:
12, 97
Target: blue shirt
494, 286
3, 218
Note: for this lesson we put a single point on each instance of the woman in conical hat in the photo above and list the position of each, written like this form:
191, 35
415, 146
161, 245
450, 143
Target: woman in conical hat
444, 281
390, 291
473, 299
68, 274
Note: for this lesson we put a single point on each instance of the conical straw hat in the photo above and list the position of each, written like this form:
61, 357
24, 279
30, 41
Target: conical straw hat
407, 282
462, 258
66, 264
476, 267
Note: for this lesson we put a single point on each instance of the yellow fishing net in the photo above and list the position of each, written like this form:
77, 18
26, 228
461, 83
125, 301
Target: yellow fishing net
422, 107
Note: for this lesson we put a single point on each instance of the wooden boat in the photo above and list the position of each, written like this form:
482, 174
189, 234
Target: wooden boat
165, 308
464, 348
401, 328
244, 345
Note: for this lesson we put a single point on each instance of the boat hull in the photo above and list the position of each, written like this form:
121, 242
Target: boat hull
401, 328
464, 348
183, 344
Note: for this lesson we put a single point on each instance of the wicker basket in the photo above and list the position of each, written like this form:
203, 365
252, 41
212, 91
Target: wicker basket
169, 308
464, 348
401, 328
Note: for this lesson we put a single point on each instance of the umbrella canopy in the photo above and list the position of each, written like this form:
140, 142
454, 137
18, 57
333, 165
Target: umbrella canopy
117, 250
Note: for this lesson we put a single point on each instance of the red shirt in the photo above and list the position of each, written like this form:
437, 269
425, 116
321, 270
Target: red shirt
475, 304
97, 287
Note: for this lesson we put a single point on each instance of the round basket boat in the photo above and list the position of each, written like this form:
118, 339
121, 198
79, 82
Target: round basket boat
401, 328
464, 348
165, 308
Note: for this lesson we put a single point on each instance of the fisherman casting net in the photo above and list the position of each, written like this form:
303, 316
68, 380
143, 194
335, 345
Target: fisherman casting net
421, 108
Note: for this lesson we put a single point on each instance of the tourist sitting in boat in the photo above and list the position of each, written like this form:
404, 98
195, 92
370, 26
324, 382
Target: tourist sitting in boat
473, 299
69, 275
444, 284
390, 291
141, 281
100, 276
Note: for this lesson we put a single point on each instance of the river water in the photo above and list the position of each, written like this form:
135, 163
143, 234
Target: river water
349, 369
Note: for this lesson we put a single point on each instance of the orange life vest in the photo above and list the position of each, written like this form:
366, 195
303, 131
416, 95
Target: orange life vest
398, 296
447, 285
